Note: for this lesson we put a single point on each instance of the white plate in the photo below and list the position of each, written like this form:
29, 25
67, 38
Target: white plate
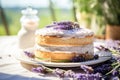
22, 57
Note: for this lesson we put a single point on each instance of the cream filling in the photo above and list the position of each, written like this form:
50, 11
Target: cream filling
79, 33
69, 49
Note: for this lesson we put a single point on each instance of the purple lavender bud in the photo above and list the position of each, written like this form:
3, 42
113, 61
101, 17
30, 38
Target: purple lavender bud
91, 77
69, 73
119, 49
29, 54
97, 76
51, 25
99, 48
87, 69
118, 60
115, 78
64, 22
65, 25
115, 73
102, 47
96, 56
112, 44
62, 26
103, 69
81, 76
39, 70
59, 72
106, 49
48, 26
114, 48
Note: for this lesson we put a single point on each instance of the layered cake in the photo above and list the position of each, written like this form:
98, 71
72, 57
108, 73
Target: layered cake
62, 41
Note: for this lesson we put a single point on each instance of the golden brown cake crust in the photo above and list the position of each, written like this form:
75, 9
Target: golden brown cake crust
59, 56
54, 40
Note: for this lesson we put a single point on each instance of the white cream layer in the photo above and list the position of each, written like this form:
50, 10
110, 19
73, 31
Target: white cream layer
79, 33
72, 49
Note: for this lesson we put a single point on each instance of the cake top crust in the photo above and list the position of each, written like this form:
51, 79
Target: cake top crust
64, 29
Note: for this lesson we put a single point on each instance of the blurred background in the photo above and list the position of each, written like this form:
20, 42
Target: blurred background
101, 16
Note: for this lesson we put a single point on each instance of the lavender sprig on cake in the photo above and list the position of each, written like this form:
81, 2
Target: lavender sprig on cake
64, 25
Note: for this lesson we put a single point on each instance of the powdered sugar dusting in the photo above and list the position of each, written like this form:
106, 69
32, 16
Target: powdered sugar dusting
79, 33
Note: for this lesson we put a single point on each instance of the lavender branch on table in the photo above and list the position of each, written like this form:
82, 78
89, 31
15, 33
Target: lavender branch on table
111, 70
99, 72
114, 44
102, 48
110, 45
70, 74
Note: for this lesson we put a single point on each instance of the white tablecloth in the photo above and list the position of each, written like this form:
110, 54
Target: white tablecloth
10, 68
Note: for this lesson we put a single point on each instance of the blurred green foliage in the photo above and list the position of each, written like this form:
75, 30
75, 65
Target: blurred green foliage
107, 9
91, 14
111, 11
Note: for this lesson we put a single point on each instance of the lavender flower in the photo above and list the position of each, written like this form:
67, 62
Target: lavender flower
115, 73
115, 78
103, 69
103, 48
112, 44
91, 76
62, 73
98, 74
87, 69
64, 25
39, 70
118, 60
59, 72
81, 76
29, 54
69, 73
77, 76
